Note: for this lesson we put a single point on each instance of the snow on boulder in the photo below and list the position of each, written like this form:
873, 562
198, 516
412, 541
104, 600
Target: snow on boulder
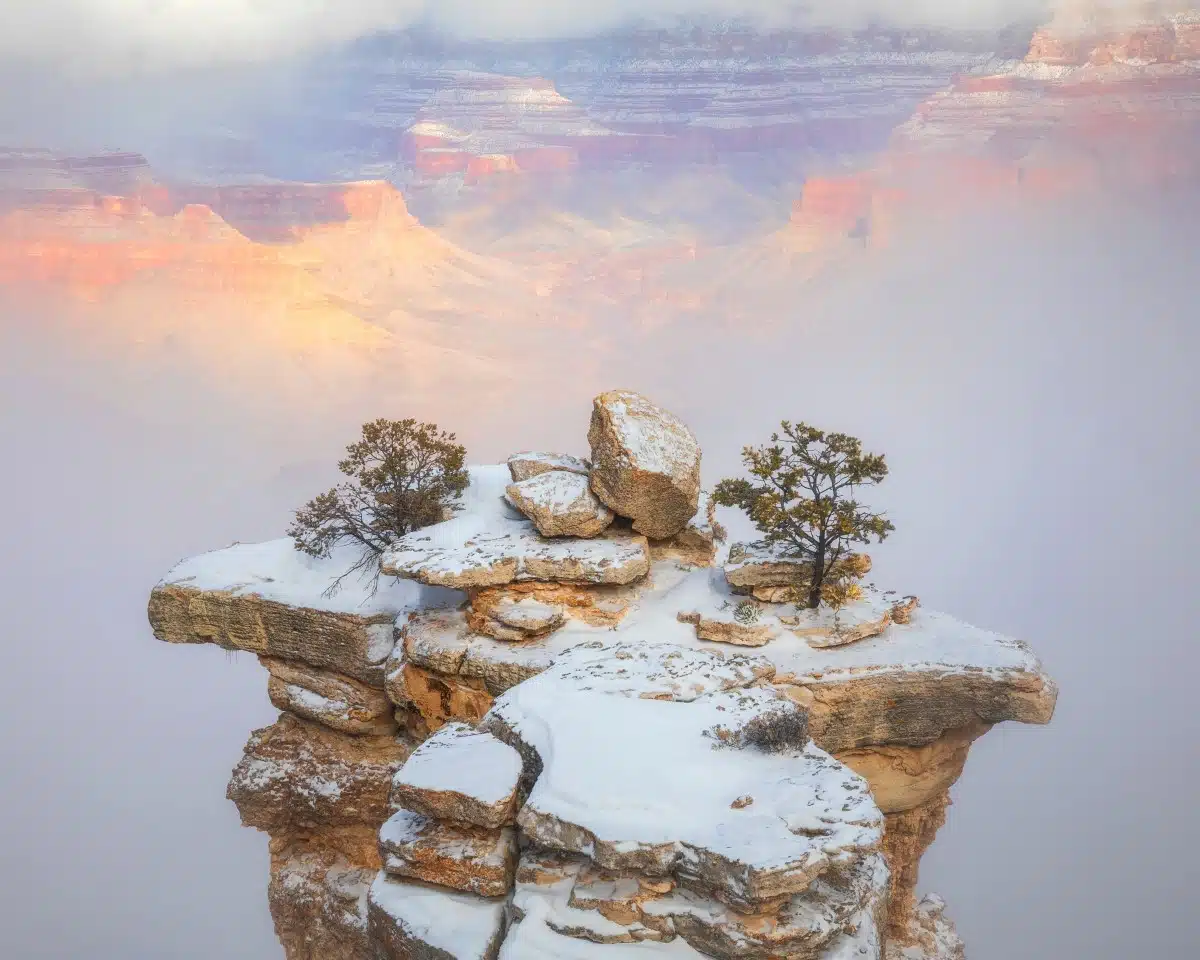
456, 855
644, 755
560, 504
461, 774
522, 466
768, 574
645, 463
414, 921
337, 701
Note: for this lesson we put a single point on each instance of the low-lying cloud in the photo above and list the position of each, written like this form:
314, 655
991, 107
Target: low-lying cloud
120, 34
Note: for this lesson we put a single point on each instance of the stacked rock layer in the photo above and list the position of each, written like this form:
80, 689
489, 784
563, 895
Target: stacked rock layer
570, 723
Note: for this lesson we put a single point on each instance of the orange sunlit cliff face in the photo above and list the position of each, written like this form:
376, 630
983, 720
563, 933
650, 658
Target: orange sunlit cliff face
339, 277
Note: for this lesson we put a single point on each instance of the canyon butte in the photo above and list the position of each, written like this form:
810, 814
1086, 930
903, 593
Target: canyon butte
573, 721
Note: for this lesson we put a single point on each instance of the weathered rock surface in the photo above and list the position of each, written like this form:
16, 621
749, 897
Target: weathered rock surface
460, 856
414, 921
645, 463
906, 837
733, 632
930, 935
463, 775
697, 542
269, 598
517, 620
560, 504
318, 901
595, 605
339, 702
297, 777
727, 741
522, 466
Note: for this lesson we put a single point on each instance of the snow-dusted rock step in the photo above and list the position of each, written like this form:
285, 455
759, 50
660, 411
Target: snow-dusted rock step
657, 759
560, 504
522, 466
463, 857
577, 899
645, 463
269, 598
910, 685
297, 776
463, 775
518, 620
414, 921
513, 550
337, 701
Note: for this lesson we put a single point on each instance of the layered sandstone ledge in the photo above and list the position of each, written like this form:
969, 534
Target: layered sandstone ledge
622, 743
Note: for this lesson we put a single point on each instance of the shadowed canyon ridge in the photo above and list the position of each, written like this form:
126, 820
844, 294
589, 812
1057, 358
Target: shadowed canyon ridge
623, 737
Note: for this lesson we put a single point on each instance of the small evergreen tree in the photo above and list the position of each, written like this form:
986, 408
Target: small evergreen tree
801, 498
402, 474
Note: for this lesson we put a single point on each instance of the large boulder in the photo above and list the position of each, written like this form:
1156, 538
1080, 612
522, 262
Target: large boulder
645, 463
560, 504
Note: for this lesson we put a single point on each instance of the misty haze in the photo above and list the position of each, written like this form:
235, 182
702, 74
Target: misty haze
965, 239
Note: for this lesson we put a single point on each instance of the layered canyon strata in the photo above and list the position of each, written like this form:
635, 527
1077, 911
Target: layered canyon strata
597, 744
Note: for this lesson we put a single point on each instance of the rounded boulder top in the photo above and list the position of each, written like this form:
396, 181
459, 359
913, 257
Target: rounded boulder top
645, 463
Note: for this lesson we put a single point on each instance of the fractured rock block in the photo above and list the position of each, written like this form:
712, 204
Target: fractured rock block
729, 631
297, 776
415, 921
517, 620
432, 699
695, 544
522, 466
601, 605
645, 463
463, 775
339, 702
463, 857
930, 935
560, 504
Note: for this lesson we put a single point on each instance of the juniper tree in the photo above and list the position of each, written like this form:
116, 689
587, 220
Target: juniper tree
801, 497
402, 475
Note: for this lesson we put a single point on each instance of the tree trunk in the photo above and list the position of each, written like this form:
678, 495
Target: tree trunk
818, 578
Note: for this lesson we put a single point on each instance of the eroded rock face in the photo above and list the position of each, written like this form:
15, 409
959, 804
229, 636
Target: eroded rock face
339, 702
318, 901
930, 935
459, 856
298, 777
560, 504
645, 463
907, 836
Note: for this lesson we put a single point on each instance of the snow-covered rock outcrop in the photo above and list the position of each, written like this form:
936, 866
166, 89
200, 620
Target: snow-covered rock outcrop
624, 741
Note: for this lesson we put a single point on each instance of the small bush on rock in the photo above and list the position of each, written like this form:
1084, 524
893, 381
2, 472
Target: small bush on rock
403, 475
801, 498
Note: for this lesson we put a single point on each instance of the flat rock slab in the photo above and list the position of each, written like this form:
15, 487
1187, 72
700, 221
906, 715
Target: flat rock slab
463, 775
642, 753
339, 702
297, 777
523, 619
271, 599
560, 504
577, 899
456, 855
522, 466
415, 921
513, 551
645, 463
